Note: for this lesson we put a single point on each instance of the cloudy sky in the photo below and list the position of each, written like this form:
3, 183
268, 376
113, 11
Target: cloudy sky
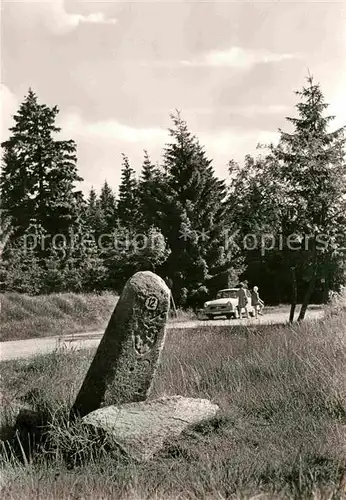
118, 69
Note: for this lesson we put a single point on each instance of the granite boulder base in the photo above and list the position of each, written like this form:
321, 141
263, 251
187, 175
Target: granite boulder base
142, 429
125, 362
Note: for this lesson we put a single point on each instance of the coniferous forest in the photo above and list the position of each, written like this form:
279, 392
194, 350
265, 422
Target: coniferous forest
277, 221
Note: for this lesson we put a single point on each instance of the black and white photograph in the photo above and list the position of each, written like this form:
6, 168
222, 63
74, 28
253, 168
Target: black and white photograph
173, 250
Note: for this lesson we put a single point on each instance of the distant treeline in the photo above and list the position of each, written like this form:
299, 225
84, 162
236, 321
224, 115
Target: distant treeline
277, 222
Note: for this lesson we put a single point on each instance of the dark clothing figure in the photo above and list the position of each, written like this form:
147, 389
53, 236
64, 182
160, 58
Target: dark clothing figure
242, 301
255, 298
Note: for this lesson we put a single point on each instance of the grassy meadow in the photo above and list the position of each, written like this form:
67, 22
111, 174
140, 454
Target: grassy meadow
280, 433
24, 317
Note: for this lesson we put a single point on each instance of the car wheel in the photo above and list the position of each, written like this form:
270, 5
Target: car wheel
210, 316
229, 316
252, 314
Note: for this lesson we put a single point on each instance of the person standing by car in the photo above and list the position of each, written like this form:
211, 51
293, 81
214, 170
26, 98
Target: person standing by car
257, 303
242, 301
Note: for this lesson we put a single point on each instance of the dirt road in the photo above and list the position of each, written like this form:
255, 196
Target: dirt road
26, 348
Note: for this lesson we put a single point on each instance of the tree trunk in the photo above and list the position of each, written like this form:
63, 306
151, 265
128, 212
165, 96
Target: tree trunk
306, 301
311, 285
325, 290
294, 294
172, 303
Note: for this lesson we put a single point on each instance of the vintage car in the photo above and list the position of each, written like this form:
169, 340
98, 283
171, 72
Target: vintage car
226, 304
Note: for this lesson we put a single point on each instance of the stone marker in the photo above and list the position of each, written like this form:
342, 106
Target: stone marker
141, 429
128, 354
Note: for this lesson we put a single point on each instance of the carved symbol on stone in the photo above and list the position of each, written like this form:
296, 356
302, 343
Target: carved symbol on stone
151, 303
141, 347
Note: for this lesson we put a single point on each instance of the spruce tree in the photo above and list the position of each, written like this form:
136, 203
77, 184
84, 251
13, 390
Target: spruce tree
91, 208
311, 166
148, 168
39, 172
192, 215
296, 194
94, 216
108, 207
148, 184
128, 203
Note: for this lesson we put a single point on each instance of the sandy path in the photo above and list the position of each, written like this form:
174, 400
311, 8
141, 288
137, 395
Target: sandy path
26, 348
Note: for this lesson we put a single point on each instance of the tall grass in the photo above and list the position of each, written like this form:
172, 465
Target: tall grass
280, 431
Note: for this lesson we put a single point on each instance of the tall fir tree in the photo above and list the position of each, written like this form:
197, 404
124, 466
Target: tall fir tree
128, 203
94, 216
295, 193
148, 183
91, 207
39, 172
192, 215
148, 168
108, 207
311, 166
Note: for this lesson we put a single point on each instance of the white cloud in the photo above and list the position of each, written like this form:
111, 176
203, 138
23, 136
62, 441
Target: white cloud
8, 107
338, 109
53, 14
229, 144
251, 110
243, 110
63, 21
109, 130
237, 57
